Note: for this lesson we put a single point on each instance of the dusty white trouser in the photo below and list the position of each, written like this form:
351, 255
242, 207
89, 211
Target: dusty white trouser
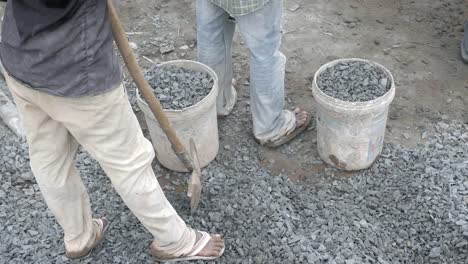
262, 33
105, 126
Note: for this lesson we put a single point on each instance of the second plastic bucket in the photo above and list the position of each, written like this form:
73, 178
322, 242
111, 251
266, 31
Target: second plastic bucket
199, 122
350, 135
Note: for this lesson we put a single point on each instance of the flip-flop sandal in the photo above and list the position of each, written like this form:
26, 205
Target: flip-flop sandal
86, 253
195, 250
288, 137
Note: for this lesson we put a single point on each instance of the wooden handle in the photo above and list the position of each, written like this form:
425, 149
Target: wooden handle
145, 89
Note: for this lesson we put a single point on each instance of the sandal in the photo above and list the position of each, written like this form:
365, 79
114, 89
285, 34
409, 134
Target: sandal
197, 248
103, 224
288, 137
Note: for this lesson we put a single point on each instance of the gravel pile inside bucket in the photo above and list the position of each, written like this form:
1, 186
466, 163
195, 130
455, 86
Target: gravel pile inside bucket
177, 87
409, 207
354, 81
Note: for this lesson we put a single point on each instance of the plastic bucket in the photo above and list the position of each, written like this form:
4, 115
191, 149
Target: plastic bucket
350, 135
198, 122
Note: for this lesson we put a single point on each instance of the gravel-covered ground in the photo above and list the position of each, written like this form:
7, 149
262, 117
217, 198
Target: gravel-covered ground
178, 88
410, 207
354, 81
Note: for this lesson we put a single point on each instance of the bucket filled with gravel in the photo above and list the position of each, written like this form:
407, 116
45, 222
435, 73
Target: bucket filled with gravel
353, 97
187, 91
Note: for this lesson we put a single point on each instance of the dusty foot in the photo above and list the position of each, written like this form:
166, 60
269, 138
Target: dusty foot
213, 248
234, 83
301, 117
102, 224
231, 103
302, 121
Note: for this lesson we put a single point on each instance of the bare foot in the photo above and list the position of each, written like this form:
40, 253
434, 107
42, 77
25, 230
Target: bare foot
213, 248
301, 117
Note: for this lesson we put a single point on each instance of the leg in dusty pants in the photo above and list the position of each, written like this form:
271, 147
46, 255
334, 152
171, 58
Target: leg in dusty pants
52, 151
113, 136
214, 39
262, 33
107, 127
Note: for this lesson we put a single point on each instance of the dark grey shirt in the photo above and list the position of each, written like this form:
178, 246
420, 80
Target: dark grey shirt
60, 47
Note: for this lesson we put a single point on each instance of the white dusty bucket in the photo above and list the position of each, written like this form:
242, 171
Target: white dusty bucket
350, 135
198, 122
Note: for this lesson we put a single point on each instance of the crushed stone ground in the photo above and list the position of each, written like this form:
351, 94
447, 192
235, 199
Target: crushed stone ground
409, 207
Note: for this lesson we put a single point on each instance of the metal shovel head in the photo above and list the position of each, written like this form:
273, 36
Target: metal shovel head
195, 187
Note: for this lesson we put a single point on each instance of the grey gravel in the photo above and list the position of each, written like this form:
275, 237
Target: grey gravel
409, 207
178, 88
354, 81
435, 252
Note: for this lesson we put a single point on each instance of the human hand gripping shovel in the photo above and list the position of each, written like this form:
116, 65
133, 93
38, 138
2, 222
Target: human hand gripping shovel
190, 161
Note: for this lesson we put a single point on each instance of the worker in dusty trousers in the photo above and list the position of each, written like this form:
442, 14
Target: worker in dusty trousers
259, 22
66, 82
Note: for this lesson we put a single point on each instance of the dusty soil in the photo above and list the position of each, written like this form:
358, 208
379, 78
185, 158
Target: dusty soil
418, 41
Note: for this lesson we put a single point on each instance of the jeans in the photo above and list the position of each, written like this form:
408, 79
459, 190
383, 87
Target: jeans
262, 33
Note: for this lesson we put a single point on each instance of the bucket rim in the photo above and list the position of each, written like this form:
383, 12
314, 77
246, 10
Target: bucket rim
386, 98
176, 63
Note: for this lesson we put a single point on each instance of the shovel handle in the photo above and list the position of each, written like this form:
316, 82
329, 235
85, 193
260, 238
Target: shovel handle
135, 71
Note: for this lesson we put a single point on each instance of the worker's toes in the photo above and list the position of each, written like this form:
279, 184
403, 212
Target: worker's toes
301, 117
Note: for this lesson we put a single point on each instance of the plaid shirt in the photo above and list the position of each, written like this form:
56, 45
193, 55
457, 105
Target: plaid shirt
240, 7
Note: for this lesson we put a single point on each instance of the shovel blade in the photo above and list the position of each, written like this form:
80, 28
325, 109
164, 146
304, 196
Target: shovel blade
195, 186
